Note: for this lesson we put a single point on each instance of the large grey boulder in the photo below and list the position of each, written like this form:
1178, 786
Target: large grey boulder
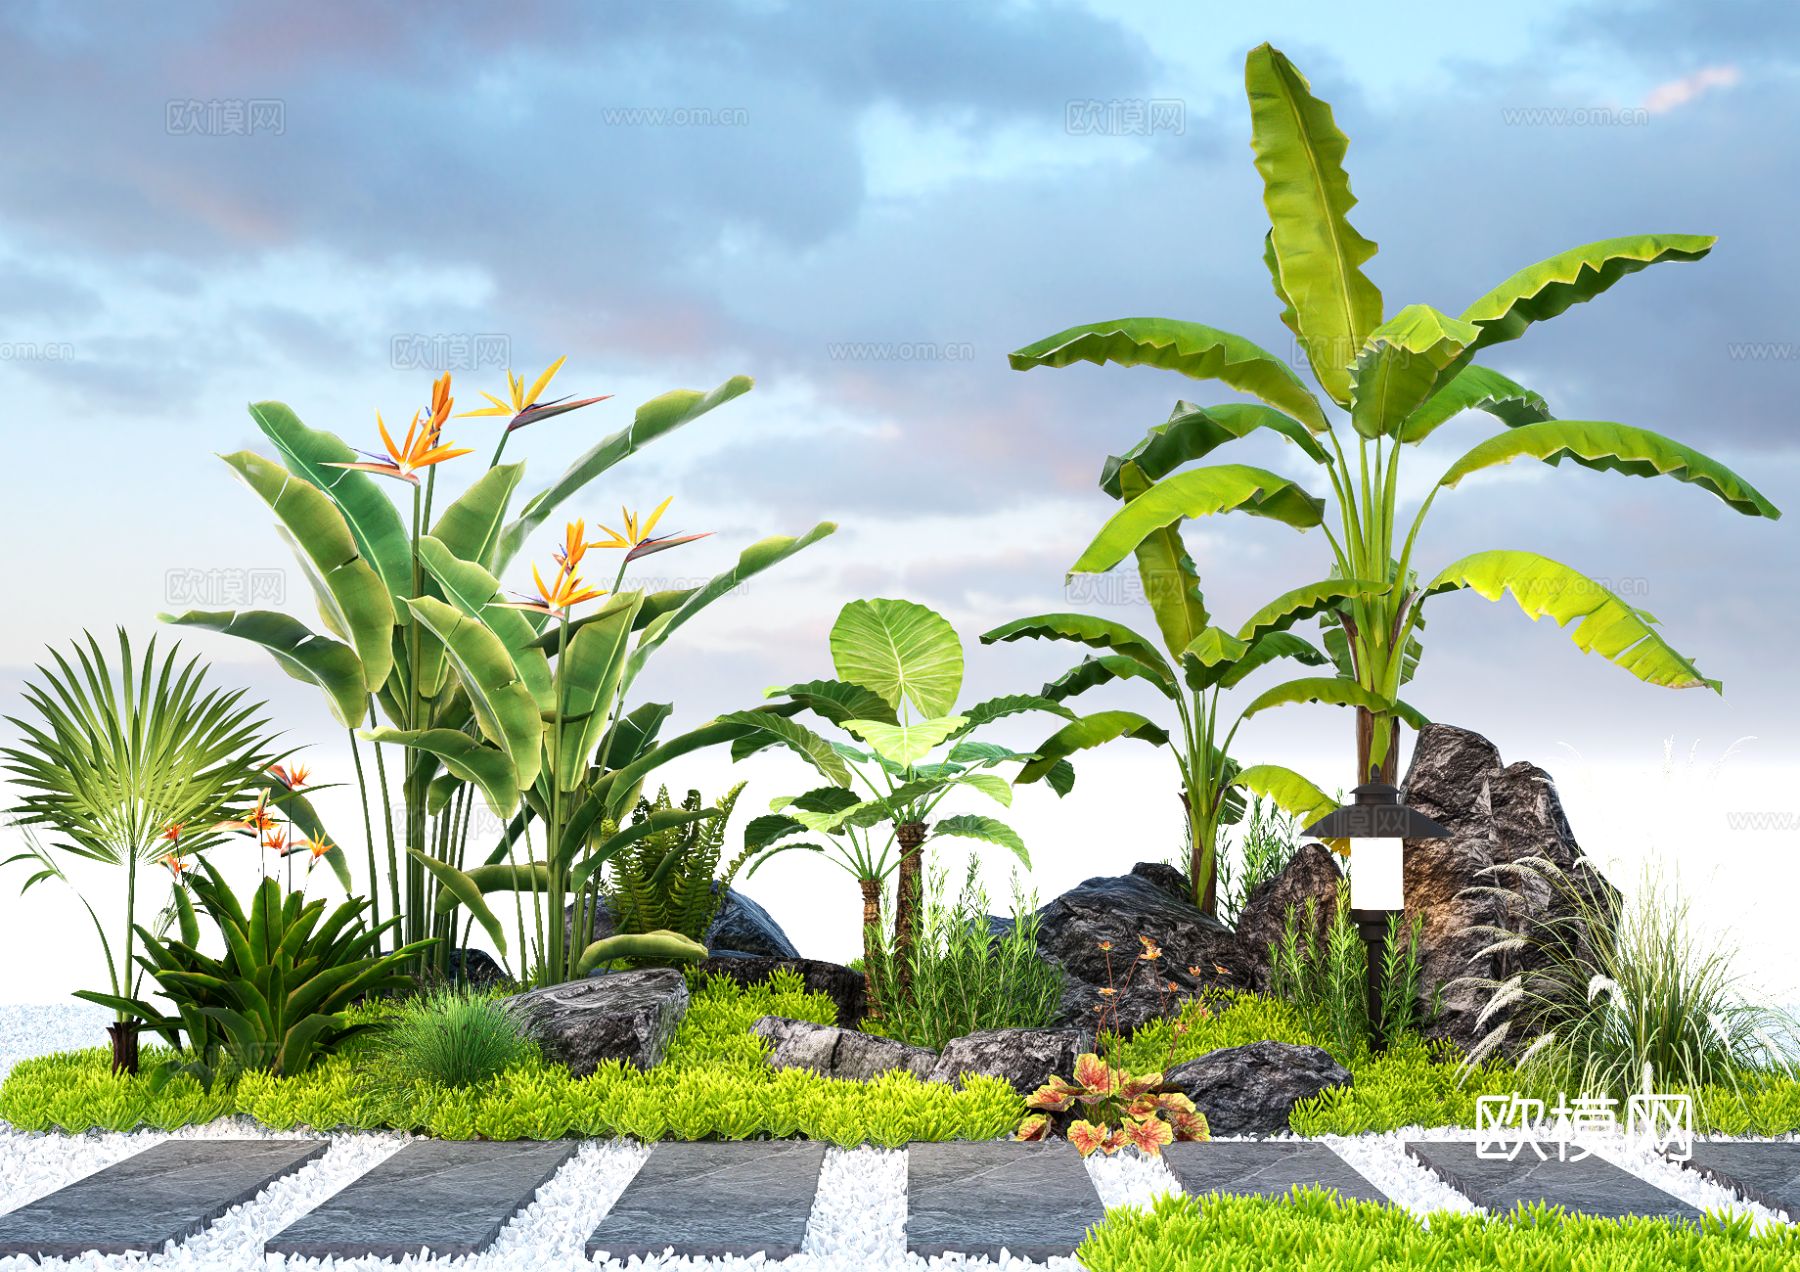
845, 988
1311, 875
1251, 1090
838, 1053
1497, 814
1197, 950
1026, 1058
740, 925
629, 1016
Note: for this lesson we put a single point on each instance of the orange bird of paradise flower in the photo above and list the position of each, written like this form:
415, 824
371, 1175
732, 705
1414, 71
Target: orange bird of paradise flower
522, 404
177, 867
558, 597
316, 847
276, 841
173, 833
637, 540
423, 446
258, 819
293, 778
574, 548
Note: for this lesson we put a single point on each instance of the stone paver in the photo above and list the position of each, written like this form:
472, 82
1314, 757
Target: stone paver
1264, 1168
1768, 1174
169, 1192
1589, 1186
709, 1200
1032, 1200
447, 1197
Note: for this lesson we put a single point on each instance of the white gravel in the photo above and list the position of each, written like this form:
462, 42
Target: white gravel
38, 1029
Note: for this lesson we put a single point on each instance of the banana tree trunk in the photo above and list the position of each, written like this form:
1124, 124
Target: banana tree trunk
871, 897
1389, 768
909, 879
1203, 874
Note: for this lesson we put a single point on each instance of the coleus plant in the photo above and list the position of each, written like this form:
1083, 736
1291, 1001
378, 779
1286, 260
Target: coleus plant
1107, 1108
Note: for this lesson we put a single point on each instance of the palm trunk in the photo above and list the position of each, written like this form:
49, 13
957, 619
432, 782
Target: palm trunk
1365, 741
871, 897
124, 1034
909, 881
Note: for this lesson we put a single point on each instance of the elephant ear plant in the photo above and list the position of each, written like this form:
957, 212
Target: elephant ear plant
126, 768
1395, 378
899, 670
487, 701
1198, 662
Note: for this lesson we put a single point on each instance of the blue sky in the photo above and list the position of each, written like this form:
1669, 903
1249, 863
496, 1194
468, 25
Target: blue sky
890, 174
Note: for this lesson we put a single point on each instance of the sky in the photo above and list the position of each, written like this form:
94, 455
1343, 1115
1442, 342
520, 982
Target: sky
865, 207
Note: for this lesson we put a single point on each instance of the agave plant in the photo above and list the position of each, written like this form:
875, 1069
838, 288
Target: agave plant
127, 768
487, 700
1397, 378
892, 658
275, 1000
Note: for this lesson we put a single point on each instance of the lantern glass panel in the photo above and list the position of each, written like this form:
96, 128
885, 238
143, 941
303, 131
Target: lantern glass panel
1377, 876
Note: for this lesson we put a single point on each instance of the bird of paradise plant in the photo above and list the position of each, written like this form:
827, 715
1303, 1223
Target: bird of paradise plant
406, 647
1398, 379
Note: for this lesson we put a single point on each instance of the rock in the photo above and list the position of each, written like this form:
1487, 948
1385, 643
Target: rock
741, 925
475, 968
1166, 877
845, 987
1120, 909
1496, 815
1312, 874
627, 1016
1026, 1058
838, 1053
1250, 1090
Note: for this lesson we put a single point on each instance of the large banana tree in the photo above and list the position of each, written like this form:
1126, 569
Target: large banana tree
1394, 380
899, 670
1199, 661
394, 584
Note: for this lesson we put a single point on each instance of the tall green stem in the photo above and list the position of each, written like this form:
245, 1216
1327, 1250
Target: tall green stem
362, 795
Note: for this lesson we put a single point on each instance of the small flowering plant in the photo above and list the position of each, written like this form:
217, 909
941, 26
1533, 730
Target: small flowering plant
1107, 1108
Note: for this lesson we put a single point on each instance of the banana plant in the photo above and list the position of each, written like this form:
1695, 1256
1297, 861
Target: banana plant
1394, 380
899, 670
372, 563
1198, 662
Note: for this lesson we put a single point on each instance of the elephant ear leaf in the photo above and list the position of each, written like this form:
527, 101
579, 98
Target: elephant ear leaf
905, 744
1318, 254
1604, 623
1615, 447
902, 650
1549, 287
1406, 360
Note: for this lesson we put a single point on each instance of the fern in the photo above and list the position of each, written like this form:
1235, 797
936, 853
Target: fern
669, 880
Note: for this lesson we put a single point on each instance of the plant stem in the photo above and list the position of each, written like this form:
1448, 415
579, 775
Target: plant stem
362, 792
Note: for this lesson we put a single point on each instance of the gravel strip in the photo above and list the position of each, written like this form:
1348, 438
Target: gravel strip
39, 1029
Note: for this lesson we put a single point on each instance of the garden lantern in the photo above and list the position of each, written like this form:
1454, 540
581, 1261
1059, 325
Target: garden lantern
1377, 826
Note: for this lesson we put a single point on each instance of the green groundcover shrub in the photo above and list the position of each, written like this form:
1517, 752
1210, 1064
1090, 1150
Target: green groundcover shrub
715, 1082
1314, 1228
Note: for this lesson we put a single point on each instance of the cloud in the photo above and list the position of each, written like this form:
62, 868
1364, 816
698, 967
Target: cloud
1670, 94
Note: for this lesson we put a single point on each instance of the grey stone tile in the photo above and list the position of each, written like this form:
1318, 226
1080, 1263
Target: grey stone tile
709, 1200
445, 1196
168, 1192
1589, 1186
1768, 1174
1033, 1200
1264, 1168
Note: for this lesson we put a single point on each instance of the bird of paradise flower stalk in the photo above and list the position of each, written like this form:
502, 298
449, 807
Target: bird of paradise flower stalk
522, 407
637, 540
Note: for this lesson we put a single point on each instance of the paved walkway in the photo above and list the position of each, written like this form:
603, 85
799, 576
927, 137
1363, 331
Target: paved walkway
713, 1199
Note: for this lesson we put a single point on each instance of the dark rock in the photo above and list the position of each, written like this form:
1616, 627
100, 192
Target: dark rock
1250, 1090
1497, 815
844, 987
1119, 910
740, 925
1311, 875
475, 968
1026, 1058
627, 1016
1166, 877
838, 1053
